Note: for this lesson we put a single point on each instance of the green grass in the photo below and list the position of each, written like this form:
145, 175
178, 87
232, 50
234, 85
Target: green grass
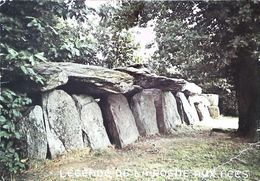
164, 158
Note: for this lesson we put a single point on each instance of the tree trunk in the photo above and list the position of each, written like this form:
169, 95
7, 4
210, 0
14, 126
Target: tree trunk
248, 94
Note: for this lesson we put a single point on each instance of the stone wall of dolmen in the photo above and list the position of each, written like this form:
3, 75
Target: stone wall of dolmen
64, 121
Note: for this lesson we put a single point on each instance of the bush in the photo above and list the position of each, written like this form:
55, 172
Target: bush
11, 105
228, 104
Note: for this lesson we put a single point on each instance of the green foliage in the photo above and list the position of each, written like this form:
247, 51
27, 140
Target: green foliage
118, 48
202, 42
116, 41
201, 47
77, 44
121, 15
179, 50
20, 62
234, 28
38, 27
31, 32
36, 31
11, 105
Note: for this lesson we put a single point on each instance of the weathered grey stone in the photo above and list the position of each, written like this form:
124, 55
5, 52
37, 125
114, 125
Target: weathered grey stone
62, 122
167, 114
119, 120
193, 107
54, 77
212, 98
91, 122
180, 109
199, 99
214, 112
34, 137
142, 105
203, 111
194, 110
85, 79
146, 80
163, 125
190, 116
191, 89
201, 103
170, 109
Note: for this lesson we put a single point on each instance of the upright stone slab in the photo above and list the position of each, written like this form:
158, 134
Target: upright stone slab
144, 111
201, 103
193, 109
167, 114
189, 115
214, 112
62, 122
170, 109
213, 107
34, 137
162, 123
92, 125
180, 109
212, 98
203, 112
119, 120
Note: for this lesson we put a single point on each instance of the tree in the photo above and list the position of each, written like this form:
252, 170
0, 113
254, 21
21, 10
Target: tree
188, 51
235, 26
231, 53
116, 41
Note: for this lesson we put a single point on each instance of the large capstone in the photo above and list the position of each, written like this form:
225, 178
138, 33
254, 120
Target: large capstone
52, 75
94, 132
62, 120
144, 111
84, 79
146, 80
119, 120
34, 137
191, 89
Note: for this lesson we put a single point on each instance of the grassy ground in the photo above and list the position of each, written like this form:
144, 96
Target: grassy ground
187, 155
